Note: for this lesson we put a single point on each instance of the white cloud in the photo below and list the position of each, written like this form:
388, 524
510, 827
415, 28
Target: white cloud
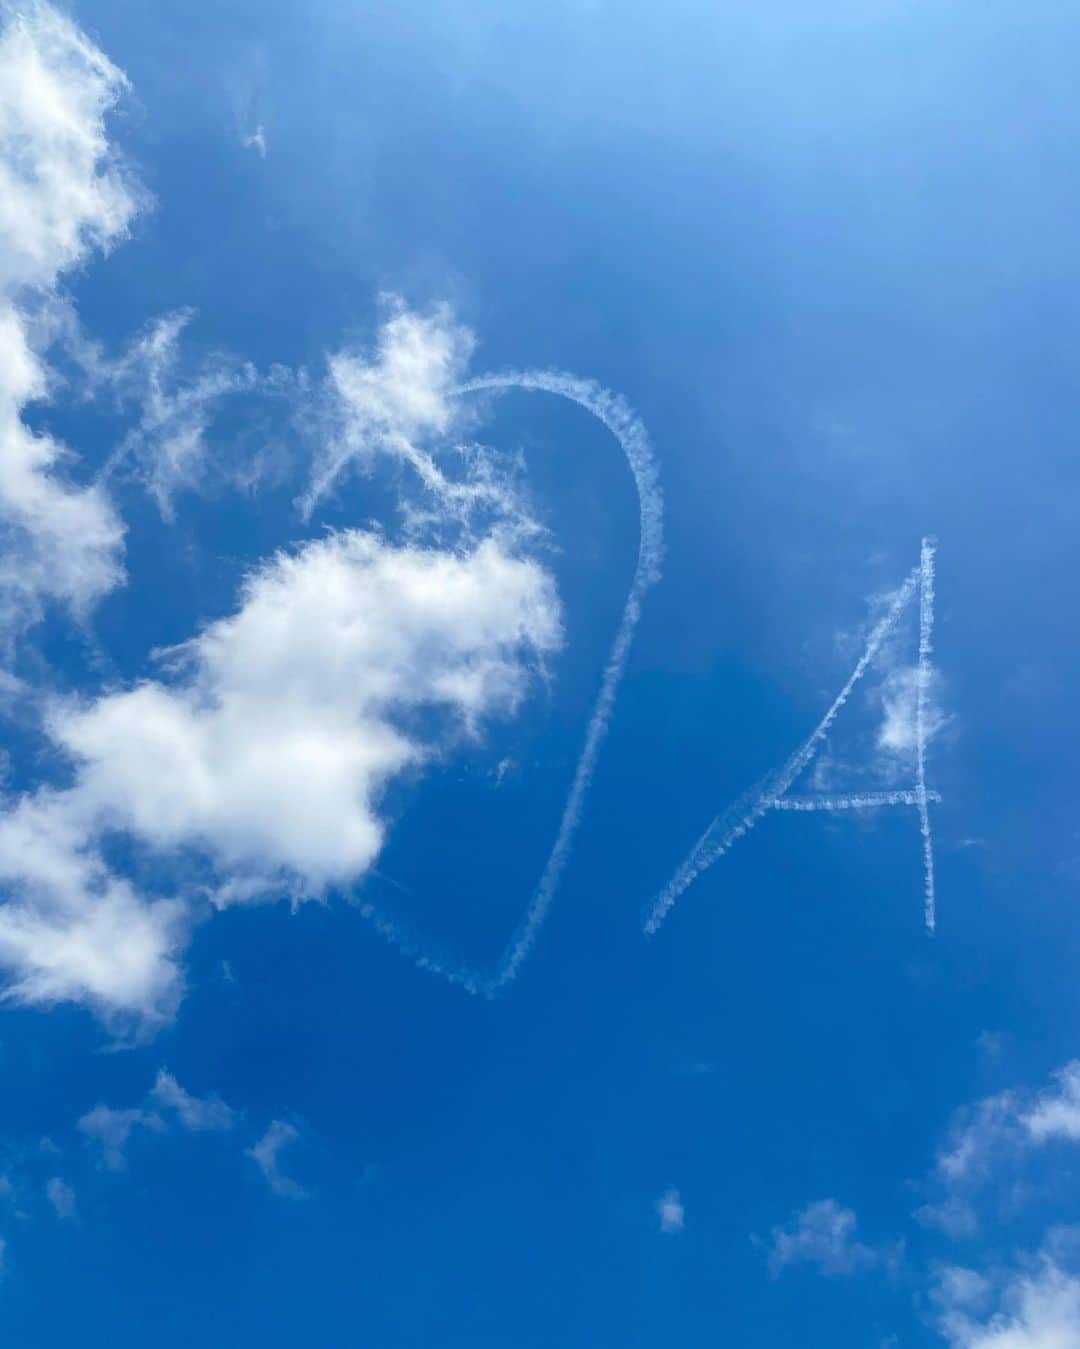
268, 744
954, 1215
110, 1130
72, 931
168, 445
899, 696
671, 1213
267, 752
62, 190
1037, 1308
977, 1137
396, 397
197, 1114
265, 1154
1056, 1111
823, 1234
61, 1196
398, 403
989, 1142
63, 194
167, 1100
257, 141
291, 716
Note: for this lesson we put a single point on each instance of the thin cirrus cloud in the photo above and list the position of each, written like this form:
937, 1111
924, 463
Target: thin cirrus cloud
167, 1103
824, 1235
167, 448
266, 1155
109, 1131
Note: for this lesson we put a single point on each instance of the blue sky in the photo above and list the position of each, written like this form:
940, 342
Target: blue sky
332, 817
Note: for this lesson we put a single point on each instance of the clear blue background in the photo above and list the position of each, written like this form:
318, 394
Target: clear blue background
829, 253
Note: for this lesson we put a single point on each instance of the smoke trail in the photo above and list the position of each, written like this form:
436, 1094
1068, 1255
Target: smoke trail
739, 818
858, 801
745, 813
926, 633
633, 439
628, 429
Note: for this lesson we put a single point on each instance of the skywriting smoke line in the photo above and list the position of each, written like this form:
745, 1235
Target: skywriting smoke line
857, 801
741, 817
922, 681
633, 439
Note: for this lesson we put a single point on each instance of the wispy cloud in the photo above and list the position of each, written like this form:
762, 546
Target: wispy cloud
61, 1196
256, 140
166, 1103
109, 1130
991, 1142
1055, 1112
670, 1211
823, 1235
266, 1153
999, 1295
167, 447
398, 401
198, 1114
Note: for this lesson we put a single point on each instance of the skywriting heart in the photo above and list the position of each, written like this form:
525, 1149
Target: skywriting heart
629, 432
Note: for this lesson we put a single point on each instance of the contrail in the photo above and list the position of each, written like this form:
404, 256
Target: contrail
633, 439
926, 633
858, 801
739, 818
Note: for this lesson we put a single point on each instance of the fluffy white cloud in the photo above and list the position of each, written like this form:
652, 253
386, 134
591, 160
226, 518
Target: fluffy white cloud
1037, 1308
265, 1154
62, 191
62, 195
266, 747
271, 751
823, 1234
70, 930
267, 752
